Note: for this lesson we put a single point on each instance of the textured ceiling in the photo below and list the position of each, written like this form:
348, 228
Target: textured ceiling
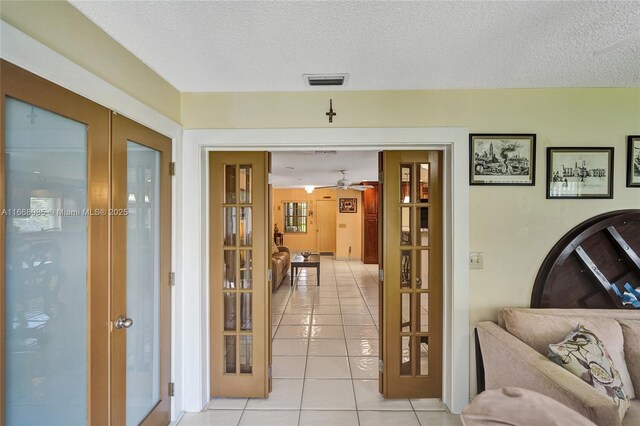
226, 46
322, 168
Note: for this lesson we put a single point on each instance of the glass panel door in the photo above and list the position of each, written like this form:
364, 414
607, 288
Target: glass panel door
412, 285
141, 266
54, 288
239, 286
143, 280
46, 267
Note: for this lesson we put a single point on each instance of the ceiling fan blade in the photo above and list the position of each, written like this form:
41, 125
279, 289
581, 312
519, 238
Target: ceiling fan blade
326, 187
360, 187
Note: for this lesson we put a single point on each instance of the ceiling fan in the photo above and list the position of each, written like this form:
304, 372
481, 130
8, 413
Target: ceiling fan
345, 183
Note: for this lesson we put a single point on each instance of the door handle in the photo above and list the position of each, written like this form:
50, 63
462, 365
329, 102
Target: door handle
123, 322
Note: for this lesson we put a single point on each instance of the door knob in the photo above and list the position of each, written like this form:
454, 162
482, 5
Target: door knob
123, 322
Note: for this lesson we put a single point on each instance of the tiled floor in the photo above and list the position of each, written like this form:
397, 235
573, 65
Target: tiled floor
325, 360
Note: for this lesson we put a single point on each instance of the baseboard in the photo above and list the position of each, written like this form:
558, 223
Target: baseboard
346, 258
326, 253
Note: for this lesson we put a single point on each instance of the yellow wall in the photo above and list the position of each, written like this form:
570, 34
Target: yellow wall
61, 27
351, 235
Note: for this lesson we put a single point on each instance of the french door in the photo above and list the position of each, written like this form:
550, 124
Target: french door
141, 262
411, 290
239, 284
76, 254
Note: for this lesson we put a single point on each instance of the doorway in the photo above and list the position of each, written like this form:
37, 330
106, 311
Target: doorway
302, 319
326, 226
85, 230
454, 144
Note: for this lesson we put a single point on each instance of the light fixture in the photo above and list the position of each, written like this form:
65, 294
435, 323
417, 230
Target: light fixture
132, 198
309, 189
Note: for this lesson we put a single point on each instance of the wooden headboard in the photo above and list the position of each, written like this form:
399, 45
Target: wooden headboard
580, 268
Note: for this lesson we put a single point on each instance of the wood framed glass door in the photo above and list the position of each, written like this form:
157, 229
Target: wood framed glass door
412, 290
77, 253
141, 267
54, 283
239, 287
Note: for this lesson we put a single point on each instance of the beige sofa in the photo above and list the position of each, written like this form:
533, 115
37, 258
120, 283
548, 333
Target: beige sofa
514, 354
280, 263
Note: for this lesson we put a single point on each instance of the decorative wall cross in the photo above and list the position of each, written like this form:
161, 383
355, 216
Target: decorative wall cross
330, 113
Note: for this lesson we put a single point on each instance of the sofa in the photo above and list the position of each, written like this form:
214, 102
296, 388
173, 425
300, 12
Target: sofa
280, 263
514, 351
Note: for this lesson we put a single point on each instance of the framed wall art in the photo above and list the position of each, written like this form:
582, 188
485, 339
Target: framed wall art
633, 161
579, 172
502, 159
348, 205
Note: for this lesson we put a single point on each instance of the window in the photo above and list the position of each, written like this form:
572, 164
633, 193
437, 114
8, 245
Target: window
295, 217
44, 218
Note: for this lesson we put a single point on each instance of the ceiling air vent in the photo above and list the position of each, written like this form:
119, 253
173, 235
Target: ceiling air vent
326, 79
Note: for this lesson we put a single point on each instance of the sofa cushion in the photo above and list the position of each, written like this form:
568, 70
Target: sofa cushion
582, 353
538, 330
278, 264
632, 418
518, 406
631, 333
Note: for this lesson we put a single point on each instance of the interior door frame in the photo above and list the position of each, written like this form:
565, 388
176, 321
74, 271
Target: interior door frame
454, 144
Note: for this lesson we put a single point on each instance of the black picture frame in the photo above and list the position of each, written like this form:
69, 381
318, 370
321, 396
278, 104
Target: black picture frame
511, 162
633, 161
348, 205
580, 172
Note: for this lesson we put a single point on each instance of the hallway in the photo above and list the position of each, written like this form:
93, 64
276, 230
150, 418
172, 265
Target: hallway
325, 359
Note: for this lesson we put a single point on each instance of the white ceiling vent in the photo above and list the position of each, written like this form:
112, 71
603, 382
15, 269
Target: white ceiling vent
324, 80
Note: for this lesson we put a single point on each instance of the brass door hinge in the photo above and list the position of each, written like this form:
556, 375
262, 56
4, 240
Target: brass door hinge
171, 389
172, 168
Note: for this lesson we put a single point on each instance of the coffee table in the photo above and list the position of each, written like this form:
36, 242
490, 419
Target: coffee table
313, 261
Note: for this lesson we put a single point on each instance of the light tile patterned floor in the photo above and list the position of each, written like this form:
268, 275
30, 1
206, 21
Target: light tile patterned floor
325, 360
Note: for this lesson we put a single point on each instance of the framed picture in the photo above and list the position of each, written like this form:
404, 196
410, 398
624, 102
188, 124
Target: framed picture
502, 159
348, 205
633, 161
579, 172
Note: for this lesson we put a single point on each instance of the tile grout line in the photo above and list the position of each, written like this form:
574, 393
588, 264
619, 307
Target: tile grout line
353, 386
306, 360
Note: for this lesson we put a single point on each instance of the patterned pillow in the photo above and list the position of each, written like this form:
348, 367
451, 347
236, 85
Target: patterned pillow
583, 354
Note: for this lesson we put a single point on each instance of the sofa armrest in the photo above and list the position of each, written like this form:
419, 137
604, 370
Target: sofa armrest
508, 361
283, 248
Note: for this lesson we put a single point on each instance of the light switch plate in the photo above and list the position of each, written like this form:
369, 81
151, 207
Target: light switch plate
476, 260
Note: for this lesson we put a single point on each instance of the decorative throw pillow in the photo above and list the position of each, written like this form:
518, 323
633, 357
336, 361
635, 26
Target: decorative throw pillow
274, 248
583, 354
